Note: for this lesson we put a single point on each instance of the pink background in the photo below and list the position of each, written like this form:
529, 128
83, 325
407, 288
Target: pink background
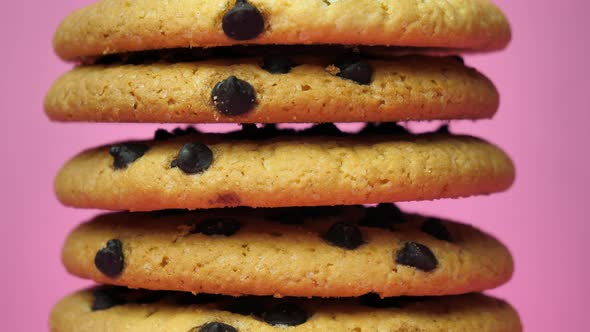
542, 123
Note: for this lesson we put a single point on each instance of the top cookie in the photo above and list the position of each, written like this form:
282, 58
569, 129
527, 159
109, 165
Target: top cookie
113, 26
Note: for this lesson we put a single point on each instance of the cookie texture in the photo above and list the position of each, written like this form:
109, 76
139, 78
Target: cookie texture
289, 252
113, 26
285, 89
287, 170
465, 313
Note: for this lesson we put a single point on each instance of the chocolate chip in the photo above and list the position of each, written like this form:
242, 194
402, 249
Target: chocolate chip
191, 130
278, 64
443, 129
182, 132
162, 135
215, 327
126, 153
418, 256
269, 130
246, 306
435, 228
218, 226
178, 132
285, 313
233, 96
375, 301
193, 158
324, 129
105, 298
243, 21
344, 235
353, 67
109, 260
248, 128
384, 215
384, 128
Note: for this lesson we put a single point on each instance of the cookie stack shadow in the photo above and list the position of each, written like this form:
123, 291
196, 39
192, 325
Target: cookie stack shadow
269, 228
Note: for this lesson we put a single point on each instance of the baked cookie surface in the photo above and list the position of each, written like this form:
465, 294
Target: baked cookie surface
304, 252
345, 88
320, 166
114, 26
129, 311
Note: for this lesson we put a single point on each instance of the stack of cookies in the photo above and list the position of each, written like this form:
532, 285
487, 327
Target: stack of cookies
270, 228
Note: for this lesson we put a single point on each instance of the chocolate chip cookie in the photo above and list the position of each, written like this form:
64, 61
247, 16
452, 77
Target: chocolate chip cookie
316, 251
118, 309
274, 168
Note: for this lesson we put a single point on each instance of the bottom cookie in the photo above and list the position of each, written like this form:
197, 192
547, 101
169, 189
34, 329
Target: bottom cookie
124, 310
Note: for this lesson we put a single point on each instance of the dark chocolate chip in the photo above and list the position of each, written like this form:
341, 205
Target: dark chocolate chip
285, 313
126, 153
191, 130
418, 256
353, 67
162, 135
216, 327
269, 130
202, 298
360, 72
389, 210
375, 301
109, 260
193, 158
252, 132
326, 129
443, 129
243, 21
218, 226
233, 96
278, 64
248, 128
246, 306
181, 132
384, 128
384, 215
178, 132
435, 228
344, 235
105, 298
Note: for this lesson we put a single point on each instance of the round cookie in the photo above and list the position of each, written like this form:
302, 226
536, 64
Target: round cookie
345, 88
128, 311
273, 168
304, 252
115, 26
